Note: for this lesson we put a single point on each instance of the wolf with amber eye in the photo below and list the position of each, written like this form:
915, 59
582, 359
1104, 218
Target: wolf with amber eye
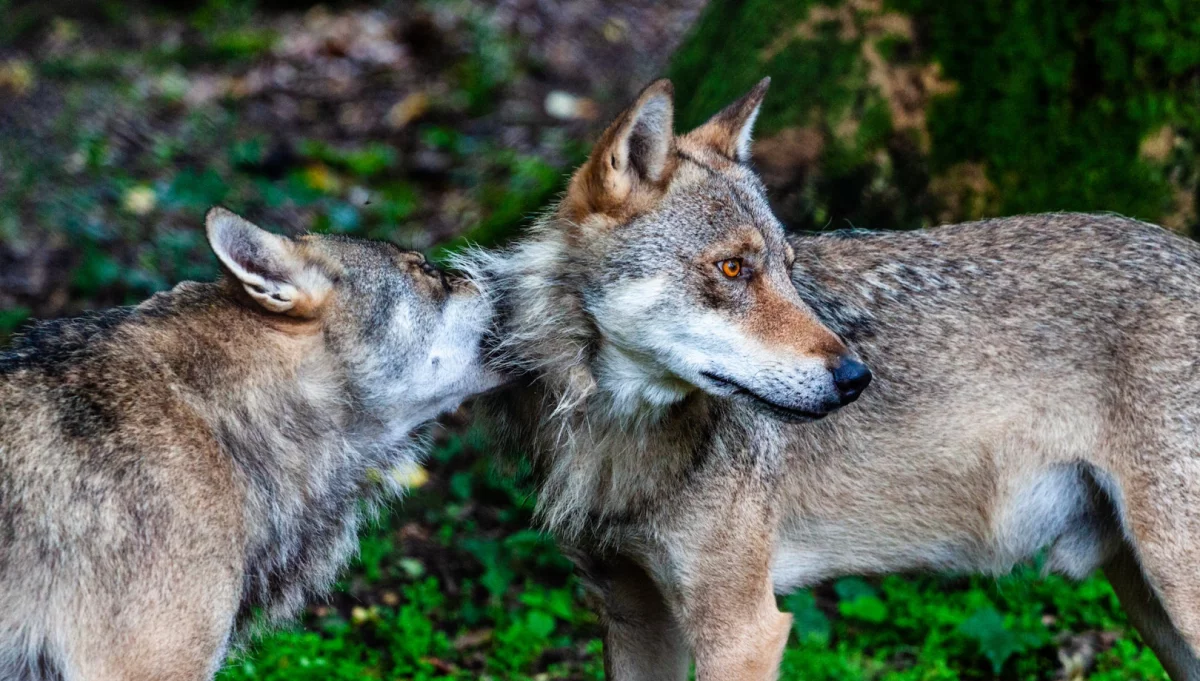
706, 432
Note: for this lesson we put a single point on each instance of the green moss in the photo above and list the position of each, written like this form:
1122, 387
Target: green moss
730, 50
1052, 99
1055, 96
819, 80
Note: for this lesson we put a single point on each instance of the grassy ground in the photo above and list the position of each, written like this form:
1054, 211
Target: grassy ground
453, 585
426, 123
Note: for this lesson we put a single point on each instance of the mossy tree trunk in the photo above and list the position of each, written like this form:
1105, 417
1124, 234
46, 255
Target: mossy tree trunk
905, 113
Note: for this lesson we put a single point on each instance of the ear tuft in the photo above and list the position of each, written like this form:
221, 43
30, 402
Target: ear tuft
730, 131
633, 157
267, 265
651, 130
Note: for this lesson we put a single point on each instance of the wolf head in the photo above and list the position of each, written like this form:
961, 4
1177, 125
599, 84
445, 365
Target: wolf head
668, 249
407, 335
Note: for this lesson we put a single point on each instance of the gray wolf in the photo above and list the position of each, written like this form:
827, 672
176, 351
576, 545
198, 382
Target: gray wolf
170, 469
690, 384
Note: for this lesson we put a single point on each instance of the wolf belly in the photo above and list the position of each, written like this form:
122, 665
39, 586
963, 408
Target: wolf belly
1062, 509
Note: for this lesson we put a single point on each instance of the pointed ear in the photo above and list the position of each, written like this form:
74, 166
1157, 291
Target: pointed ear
634, 154
270, 267
729, 131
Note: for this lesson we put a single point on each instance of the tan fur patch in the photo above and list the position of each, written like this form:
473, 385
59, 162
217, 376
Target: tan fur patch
780, 322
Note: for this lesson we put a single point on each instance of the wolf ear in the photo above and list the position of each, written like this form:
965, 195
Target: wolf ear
268, 266
633, 154
729, 131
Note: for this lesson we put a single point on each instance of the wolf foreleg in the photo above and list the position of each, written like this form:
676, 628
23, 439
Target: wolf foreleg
642, 640
725, 601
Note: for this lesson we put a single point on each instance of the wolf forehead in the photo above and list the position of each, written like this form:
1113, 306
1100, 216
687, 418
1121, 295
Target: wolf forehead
374, 266
704, 211
342, 254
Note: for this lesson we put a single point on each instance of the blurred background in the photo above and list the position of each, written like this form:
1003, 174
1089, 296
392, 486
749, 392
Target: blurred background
436, 122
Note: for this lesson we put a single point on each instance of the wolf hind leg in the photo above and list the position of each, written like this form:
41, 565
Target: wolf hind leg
1159, 506
1145, 611
1172, 568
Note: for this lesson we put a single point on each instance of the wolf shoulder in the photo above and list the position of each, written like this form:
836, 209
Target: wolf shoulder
1009, 262
1042, 241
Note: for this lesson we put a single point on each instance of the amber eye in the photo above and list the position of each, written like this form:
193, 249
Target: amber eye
731, 267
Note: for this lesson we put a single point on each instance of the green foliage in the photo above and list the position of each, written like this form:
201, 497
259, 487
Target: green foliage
366, 162
902, 629
1053, 100
1057, 96
10, 319
857, 600
820, 82
998, 641
488, 66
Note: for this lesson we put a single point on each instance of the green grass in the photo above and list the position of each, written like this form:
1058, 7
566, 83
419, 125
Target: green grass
477, 594
454, 585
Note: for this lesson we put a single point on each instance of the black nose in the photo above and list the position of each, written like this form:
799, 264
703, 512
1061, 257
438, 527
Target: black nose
850, 377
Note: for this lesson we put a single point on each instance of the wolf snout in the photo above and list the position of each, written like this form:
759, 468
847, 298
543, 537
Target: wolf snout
850, 378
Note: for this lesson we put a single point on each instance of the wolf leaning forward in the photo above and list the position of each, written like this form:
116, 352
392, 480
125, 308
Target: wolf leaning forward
168, 469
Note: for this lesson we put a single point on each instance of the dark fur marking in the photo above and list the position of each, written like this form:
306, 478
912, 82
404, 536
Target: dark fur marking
737, 198
279, 568
42, 667
843, 234
688, 157
250, 457
379, 322
713, 293
714, 171
46, 667
702, 457
50, 346
83, 413
10, 510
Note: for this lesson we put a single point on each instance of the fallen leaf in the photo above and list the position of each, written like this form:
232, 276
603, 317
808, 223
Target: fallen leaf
413, 106
318, 176
139, 200
410, 474
16, 75
472, 639
566, 106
